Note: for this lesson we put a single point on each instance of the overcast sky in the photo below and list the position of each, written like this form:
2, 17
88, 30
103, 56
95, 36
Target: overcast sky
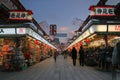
63, 13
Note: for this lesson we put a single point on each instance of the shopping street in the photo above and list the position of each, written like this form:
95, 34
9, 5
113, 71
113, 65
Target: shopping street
61, 70
29, 46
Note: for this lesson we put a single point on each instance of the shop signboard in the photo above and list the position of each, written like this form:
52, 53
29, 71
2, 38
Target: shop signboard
21, 30
37, 36
102, 10
98, 28
114, 28
20, 15
7, 31
34, 34
103, 28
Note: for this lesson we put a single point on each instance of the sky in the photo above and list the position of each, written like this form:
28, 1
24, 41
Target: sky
66, 14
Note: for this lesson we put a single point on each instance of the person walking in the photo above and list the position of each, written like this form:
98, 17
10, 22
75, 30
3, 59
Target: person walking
65, 54
81, 56
74, 55
55, 55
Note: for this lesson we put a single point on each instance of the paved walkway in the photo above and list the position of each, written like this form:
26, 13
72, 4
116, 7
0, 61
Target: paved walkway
61, 70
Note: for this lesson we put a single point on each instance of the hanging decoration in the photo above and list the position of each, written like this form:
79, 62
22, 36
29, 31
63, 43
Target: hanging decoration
86, 40
36, 41
80, 43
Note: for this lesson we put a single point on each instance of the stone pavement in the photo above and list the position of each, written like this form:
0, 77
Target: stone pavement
61, 70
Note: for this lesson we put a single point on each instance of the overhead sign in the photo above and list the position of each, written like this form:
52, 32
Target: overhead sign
102, 10
53, 29
7, 31
61, 35
20, 15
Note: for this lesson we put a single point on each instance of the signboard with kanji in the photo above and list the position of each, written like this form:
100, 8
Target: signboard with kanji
102, 10
7, 31
20, 15
53, 29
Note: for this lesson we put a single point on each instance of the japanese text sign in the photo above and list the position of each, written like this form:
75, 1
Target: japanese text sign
20, 15
102, 10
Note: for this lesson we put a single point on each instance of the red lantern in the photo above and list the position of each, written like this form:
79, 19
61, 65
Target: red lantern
36, 41
80, 43
86, 40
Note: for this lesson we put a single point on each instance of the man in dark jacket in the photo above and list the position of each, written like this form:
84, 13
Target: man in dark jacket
74, 55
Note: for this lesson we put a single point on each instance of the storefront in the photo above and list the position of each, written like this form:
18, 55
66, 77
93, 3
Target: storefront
101, 26
98, 33
20, 43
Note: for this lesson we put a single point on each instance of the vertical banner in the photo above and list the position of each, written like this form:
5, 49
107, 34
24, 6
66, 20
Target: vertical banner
53, 29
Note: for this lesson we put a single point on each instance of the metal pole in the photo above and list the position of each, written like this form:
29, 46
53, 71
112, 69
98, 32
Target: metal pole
107, 36
114, 74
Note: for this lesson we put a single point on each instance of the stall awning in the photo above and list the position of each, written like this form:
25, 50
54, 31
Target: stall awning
22, 31
98, 29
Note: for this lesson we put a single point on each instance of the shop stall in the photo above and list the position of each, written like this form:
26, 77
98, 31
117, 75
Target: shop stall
98, 39
20, 46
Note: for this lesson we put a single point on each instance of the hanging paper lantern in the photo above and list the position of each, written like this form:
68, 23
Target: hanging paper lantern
80, 43
86, 40
5, 48
36, 41
77, 45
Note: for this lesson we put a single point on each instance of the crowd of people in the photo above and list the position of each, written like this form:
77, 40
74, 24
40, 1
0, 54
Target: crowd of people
100, 57
96, 56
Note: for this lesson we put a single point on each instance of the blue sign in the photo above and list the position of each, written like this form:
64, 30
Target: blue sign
61, 35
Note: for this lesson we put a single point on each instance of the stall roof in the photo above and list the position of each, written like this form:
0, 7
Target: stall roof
97, 27
100, 3
5, 14
14, 30
107, 18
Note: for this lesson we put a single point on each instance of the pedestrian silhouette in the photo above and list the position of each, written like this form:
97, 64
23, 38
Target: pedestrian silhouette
55, 55
74, 55
81, 56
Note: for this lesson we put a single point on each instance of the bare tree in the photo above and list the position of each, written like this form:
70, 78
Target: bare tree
77, 22
45, 26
